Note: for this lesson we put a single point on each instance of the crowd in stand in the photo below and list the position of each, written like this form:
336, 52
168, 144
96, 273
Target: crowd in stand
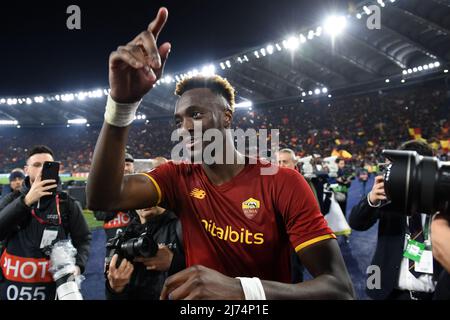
362, 125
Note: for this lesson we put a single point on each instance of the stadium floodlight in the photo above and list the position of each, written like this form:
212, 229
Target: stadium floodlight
415, 69
208, 70
228, 63
381, 3
239, 59
18, 126
2, 101
8, 122
270, 49
177, 78
367, 10
42, 123
324, 90
302, 38
105, 92
437, 64
81, 96
168, 79
263, 52
302, 101
317, 91
244, 104
28, 101
245, 58
387, 80
358, 16
446, 71
403, 81
303, 94
291, 43
425, 67
329, 96
311, 34
410, 71
88, 125
256, 53
405, 72
39, 99
318, 31
77, 121
420, 68
431, 65
334, 25
310, 92
222, 66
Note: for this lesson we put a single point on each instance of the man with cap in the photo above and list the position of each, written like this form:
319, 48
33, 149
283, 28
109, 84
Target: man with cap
16, 179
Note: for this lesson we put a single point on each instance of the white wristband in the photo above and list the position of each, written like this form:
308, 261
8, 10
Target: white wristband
253, 289
120, 114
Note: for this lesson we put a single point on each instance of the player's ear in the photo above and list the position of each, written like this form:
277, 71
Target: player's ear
227, 118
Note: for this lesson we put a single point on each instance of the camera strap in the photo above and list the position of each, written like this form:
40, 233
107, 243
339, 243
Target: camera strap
48, 222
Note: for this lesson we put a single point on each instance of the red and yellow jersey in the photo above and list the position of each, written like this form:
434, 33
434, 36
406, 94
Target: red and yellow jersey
247, 226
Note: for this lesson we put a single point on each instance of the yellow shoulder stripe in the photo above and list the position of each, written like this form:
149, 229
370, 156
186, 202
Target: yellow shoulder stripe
158, 189
315, 240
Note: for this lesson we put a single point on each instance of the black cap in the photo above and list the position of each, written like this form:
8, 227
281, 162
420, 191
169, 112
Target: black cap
15, 175
129, 157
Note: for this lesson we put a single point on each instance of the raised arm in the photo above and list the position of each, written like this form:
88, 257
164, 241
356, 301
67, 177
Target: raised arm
133, 70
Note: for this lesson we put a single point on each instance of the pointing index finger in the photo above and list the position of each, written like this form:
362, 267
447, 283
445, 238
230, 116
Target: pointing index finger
158, 23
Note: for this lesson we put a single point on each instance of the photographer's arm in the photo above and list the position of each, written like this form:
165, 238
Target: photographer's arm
364, 215
80, 234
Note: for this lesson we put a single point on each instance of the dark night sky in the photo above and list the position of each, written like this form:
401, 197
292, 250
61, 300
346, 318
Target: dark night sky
39, 55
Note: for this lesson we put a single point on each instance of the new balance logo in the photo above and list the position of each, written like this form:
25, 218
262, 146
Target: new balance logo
198, 194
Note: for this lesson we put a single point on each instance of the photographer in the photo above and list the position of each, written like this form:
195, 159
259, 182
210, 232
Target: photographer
344, 177
31, 221
401, 277
143, 278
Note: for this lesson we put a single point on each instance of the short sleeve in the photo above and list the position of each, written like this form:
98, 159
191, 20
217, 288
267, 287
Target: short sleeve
295, 201
163, 178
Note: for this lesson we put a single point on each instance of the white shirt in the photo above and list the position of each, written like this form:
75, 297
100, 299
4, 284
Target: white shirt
407, 281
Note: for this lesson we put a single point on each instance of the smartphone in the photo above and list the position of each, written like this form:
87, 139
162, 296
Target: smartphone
50, 171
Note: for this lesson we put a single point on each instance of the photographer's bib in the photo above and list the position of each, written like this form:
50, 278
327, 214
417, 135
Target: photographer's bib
24, 264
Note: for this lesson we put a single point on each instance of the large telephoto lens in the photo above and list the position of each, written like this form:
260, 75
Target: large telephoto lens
142, 246
416, 183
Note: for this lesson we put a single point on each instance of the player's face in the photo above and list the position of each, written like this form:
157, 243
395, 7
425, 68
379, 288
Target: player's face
200, 107
285, 160
34, 165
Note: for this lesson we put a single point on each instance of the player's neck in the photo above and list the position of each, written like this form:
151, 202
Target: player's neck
221, 173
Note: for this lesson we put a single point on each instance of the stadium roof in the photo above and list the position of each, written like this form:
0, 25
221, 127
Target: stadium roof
335, 55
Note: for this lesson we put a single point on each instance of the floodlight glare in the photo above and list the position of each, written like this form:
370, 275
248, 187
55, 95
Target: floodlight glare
334, 25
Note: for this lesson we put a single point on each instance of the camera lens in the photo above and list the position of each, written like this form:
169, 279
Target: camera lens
415, 183
139, 247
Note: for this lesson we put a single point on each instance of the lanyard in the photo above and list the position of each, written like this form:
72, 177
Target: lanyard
42, 221
425, 227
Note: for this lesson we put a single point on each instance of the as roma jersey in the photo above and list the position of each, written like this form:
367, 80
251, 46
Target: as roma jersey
247, 226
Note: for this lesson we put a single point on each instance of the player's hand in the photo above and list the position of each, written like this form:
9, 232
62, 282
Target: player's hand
135, 67
118, 278
440, 239
38, 190
160, 262
377, 193
199, 283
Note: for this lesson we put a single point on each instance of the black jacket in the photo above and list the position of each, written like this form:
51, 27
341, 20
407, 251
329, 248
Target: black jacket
144, 284
22, 233
390, 245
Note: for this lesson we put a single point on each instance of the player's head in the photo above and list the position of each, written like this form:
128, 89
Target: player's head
35, 160
286, 158
208, 101
129, 164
